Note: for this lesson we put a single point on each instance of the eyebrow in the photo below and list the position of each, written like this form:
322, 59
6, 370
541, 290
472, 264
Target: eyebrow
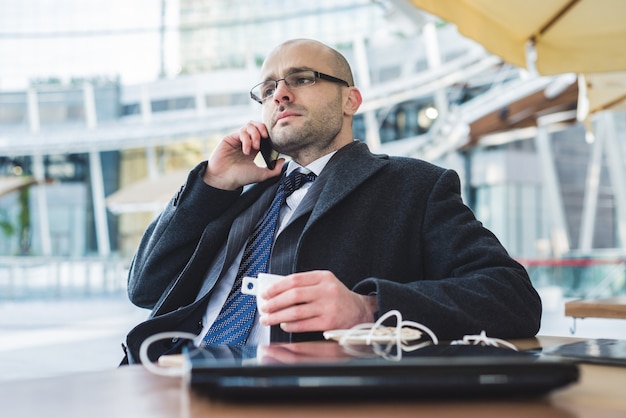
291, 70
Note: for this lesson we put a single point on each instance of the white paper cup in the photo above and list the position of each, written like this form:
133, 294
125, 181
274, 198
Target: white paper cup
257, 285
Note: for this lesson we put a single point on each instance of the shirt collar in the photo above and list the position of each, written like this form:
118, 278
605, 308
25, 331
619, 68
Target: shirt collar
315, 167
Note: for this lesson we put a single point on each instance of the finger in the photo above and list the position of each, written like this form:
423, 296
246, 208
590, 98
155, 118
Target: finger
305, 325
292, 281
294, 296
245, 139
265, 173
250, 136
259, 130
291, 314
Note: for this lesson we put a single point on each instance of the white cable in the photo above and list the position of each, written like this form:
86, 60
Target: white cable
383, 338
152, 367
482, 339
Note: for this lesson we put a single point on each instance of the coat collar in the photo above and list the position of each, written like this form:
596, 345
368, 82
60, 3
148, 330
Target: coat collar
350, 166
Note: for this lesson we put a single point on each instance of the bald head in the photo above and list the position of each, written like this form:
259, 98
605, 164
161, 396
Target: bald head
324, 56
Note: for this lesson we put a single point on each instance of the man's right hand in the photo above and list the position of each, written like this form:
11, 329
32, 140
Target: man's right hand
232, 163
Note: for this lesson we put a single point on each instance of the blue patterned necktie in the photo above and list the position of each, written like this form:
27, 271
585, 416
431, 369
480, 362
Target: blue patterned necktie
234, 322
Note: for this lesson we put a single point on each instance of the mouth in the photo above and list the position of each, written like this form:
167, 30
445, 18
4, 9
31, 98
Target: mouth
286, 115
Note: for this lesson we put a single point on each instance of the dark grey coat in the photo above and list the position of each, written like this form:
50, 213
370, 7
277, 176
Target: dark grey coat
394, 227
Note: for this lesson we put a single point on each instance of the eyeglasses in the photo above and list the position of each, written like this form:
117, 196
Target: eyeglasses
264, 90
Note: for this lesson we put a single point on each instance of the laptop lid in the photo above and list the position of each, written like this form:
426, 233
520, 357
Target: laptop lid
322, 370
598, 351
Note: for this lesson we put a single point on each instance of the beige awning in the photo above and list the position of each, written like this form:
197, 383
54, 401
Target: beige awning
580, 36
568, 36
606, 91
147, 195
14, 183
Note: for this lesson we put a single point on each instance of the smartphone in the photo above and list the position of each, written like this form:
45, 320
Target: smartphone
270, 155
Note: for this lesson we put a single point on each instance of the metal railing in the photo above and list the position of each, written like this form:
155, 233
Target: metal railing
580, 277
27, 277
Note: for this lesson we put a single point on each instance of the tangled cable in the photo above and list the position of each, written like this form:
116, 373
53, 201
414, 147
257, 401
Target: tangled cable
386, 341
482, 339
390, 342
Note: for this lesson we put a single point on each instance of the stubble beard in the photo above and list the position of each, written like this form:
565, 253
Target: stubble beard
315, 138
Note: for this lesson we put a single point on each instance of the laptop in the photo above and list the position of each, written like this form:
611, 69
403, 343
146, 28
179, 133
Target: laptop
328, 371
606, 351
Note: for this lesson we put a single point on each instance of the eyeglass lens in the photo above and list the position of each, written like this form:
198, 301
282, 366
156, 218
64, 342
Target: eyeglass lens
266, 89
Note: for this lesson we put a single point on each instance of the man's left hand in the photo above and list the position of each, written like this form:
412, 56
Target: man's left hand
315, 301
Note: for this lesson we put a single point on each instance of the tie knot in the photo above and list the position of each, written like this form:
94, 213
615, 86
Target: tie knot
295, 180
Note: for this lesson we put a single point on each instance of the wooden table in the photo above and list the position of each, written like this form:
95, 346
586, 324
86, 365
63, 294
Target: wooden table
134, 392
614, 307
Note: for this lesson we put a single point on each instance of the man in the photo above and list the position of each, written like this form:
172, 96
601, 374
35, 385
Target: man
370, 234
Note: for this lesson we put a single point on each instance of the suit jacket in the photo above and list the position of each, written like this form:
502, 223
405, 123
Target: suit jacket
390, 226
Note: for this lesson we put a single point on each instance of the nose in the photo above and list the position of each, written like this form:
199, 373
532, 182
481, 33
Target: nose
282, 92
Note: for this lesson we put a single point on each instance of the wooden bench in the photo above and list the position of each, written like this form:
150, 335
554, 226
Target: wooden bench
614, 307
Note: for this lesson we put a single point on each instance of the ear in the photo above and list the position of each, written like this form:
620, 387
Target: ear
352, 101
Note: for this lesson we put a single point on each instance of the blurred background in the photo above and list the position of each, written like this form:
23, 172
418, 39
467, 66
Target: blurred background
106, 104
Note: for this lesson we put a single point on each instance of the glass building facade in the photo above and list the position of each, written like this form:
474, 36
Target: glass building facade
167, 70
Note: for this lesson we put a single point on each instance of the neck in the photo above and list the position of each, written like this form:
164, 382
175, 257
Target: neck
306, 156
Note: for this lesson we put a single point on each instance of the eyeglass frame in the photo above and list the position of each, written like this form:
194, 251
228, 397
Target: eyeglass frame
316, 75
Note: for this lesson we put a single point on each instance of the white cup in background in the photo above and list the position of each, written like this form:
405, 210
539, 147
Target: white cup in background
257, 285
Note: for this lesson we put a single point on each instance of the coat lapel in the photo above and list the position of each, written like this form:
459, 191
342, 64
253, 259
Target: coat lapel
349, 167
186, 286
